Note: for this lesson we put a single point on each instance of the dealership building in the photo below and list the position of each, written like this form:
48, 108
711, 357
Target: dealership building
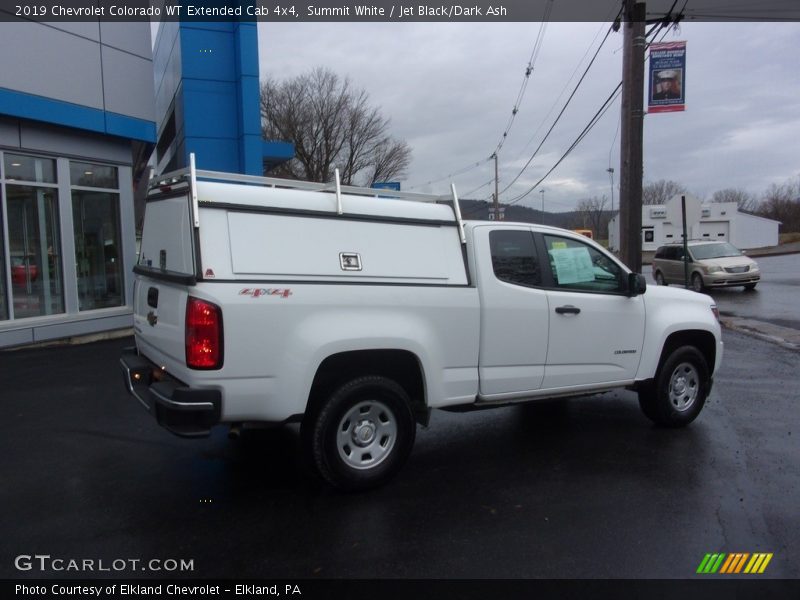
77, 126
83, 107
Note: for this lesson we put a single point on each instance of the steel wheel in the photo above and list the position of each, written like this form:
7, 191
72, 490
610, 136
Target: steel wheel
366, 434
684, 386
677, 393
360, 435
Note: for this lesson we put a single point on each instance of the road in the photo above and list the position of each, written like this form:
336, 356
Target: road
773, 301
578, 488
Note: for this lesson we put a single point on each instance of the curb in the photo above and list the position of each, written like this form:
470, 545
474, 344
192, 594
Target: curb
76, 340
785, 337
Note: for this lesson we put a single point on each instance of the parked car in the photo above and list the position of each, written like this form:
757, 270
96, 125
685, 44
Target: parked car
23, 270
711, 265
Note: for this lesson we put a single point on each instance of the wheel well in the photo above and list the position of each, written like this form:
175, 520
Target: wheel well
399, 365
702, 340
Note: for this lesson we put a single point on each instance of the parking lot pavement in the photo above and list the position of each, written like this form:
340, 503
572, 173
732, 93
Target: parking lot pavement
578, 488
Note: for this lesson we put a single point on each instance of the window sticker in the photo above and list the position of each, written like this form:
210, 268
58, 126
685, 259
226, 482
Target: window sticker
572, 265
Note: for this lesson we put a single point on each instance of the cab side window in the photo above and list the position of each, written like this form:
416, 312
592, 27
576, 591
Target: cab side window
514, 258
578, 266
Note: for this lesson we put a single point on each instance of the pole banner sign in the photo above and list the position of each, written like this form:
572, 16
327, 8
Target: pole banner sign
667, 84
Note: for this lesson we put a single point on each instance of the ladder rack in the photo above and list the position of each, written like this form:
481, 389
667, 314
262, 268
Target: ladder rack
188, 177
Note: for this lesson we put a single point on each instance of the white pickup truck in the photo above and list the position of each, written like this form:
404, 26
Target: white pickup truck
265, 301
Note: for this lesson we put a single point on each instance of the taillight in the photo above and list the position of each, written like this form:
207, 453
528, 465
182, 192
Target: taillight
204, 341
715, 310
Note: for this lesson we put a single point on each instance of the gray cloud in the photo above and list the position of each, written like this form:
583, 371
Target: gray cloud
449, 89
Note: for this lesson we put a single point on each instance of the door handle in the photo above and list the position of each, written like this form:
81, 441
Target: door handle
568, 310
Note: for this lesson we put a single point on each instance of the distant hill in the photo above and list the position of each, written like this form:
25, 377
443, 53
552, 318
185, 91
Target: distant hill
478, 210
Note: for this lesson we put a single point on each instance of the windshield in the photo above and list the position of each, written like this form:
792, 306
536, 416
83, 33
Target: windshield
704, 251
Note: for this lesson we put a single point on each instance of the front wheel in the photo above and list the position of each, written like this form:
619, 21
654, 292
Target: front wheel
678, 392
750, 287
697, 283
362, 435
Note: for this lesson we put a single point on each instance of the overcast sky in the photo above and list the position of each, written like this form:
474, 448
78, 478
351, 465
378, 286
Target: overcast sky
449, 89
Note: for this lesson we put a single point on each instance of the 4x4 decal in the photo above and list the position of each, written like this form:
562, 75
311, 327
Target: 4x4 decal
257, 292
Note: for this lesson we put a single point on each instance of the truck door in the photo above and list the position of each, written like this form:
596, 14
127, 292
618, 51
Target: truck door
596, 331
514, 311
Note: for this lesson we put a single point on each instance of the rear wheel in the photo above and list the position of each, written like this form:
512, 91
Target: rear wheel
660, 278
362, 435
697, 283
678, 392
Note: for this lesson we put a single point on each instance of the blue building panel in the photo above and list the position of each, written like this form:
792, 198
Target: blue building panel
58, 112
208, 109
208, 55
246, 36
128, 127
214, 108
215, 154
280, 151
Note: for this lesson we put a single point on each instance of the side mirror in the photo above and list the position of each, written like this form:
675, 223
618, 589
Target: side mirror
637, 284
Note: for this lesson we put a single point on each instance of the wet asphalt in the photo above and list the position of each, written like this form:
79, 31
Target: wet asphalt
576, 488
773, 301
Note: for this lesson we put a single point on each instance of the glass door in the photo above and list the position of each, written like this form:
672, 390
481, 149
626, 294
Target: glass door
3, 284
34, 248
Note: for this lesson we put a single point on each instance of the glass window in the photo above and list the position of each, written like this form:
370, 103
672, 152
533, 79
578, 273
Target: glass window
578, 266
715, 250
34, 246
90, 175
514, 257
3, 291
95, 216
29, 168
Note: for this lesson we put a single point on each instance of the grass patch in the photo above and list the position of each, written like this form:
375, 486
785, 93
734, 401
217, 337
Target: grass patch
788, 238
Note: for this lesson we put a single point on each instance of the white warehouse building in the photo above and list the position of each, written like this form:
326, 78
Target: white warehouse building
662, 224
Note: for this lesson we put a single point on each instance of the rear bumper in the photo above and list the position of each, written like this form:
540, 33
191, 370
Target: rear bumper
179, 409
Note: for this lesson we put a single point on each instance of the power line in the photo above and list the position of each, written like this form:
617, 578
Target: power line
564, 89
483, 185
520, 95
560, 114
454, 173
537, 45
592, 122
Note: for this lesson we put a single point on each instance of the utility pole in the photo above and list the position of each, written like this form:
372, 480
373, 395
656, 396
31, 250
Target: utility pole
631, 169
610, 171
542, 193
496, 190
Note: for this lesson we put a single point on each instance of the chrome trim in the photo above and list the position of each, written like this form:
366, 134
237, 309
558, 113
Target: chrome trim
130, 386
180, 405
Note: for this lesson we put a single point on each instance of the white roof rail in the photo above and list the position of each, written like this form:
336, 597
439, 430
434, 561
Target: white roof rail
179, 178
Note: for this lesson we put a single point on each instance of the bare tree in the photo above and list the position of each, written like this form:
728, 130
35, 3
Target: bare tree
592, 213
745, 201
658, 192
782, 203
332, 126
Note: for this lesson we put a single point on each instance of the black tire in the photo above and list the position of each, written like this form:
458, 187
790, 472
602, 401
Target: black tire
660, 278
749, 287
679, 390
697, 283
361, 435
